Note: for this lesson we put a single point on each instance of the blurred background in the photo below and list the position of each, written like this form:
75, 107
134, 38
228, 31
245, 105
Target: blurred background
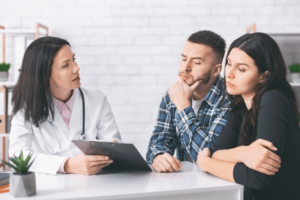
130, 49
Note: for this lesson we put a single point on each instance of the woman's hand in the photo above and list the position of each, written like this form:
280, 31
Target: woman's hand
86, 165
202, 157
257, 157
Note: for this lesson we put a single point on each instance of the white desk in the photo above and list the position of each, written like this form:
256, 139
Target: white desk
188, 183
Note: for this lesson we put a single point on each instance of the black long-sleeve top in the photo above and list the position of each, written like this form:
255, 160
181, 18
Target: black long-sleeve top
277, 123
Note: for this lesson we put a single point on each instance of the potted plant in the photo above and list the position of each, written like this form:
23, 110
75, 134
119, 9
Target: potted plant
295, 72
22, 182
4, 67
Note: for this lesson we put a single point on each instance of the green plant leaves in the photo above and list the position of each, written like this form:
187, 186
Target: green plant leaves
10, 165
29, 165
27, 159
20, 165
15, 161
294, 68
21, 157
4, 67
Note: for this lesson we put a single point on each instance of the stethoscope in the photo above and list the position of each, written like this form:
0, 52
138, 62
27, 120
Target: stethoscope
82, 135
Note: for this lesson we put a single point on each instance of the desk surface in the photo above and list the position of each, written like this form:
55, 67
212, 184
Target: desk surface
127, 184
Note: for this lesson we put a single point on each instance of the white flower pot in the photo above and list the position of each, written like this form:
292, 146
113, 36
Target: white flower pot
3, 76
295, 77
22, 185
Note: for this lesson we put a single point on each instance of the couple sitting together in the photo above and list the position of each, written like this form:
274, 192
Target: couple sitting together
242, 128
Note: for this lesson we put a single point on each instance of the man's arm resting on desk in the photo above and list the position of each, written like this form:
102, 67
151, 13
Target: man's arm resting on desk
164, 140
165, 163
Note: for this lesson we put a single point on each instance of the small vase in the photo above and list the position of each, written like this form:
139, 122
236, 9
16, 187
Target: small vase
295, 77
3, 76
22, 185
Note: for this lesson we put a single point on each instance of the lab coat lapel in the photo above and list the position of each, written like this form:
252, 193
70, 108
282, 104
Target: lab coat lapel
75, 124
58, 120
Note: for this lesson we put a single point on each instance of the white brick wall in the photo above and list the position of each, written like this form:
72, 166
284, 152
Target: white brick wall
130, 49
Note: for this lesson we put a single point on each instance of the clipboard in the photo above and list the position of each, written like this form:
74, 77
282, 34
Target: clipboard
124, 156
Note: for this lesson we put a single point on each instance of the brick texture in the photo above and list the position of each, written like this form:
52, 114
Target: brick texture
130, 49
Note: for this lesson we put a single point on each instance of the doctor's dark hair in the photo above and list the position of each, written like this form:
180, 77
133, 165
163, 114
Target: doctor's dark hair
32, 94
211, 39
267, 57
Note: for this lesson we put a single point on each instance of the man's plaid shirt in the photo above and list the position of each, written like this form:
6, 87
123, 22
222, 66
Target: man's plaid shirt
186, 132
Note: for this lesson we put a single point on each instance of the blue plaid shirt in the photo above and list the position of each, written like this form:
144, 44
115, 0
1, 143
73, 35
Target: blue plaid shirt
186, 132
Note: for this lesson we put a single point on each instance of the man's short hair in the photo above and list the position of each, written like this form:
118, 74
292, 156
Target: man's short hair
211, 39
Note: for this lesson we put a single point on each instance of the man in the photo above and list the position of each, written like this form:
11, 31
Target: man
192, 113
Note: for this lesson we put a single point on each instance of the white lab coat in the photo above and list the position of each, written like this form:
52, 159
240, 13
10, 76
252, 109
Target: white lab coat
99, 124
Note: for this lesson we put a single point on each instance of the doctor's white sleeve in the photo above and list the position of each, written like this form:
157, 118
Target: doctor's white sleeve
22, 139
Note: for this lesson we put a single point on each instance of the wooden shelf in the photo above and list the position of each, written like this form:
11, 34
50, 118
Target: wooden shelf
22, 31
18, 31
284, 34
35, 31
8, 83
294, 84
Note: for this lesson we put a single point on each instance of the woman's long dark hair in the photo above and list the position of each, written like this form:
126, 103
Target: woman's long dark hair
267, 57
32, 93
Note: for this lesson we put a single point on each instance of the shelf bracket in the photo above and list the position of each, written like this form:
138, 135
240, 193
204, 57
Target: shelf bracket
3, 44
251, 27
38, 25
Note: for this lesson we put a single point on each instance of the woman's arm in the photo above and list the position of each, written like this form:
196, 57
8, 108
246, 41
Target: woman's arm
255, 156
229, 155
22, 139
274, 123
221, 169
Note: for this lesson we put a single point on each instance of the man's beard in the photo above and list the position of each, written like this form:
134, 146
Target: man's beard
205, 79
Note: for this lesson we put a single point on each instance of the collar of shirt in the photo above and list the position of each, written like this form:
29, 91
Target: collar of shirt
212, 97
60, 105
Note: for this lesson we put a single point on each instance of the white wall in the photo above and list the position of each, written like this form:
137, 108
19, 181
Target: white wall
130, 49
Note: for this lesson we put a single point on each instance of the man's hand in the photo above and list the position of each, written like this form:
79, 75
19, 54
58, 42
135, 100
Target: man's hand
180, 93
202, 156
259, 158
86, 165
166, 163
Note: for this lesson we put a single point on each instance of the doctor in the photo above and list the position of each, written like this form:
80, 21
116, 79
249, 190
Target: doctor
49, 108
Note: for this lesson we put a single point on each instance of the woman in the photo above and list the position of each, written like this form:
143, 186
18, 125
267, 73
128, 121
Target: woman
259, 146
48, 111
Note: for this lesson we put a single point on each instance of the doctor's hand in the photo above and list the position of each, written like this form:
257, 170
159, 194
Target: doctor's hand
86, 165
165, 163
180, 93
